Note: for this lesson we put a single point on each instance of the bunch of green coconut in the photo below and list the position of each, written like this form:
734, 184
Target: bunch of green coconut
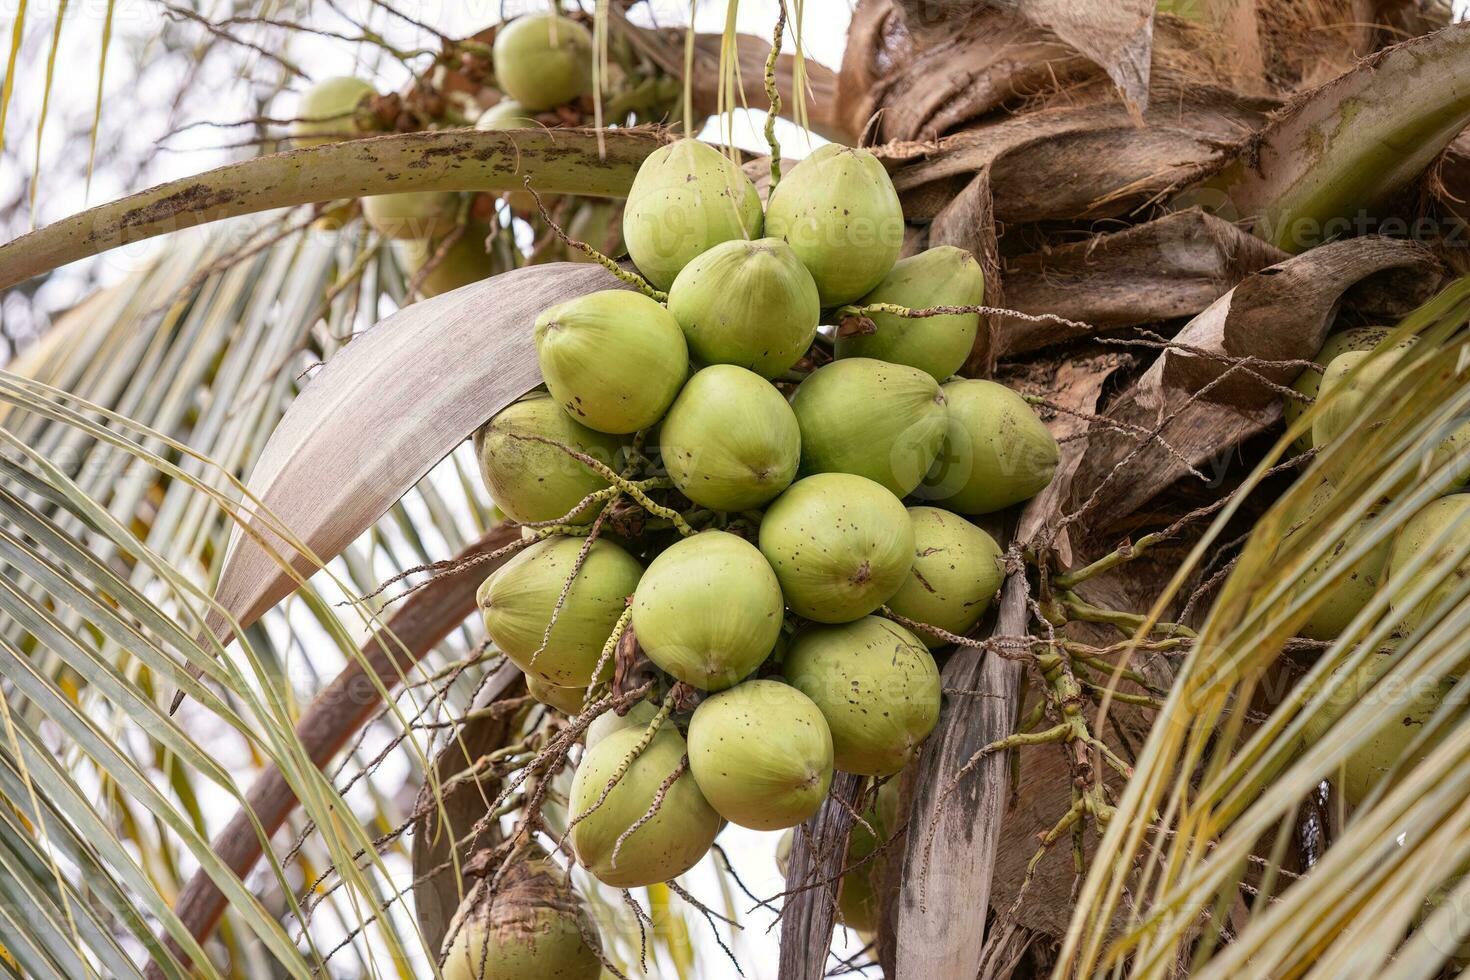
1432, 544
802, 549
542, 70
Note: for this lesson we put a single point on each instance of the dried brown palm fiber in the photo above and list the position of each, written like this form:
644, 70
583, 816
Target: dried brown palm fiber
1165, 269
911, 83
1203, 406
1080, 162
968, 222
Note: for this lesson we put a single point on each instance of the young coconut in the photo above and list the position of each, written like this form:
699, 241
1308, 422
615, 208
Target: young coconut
937, 345
730, 441
1349, 392
567, 700
533, 925
1389, 746
957, 571
870, 418
518, 600
761, 753
534, 481
687, 198
841, 546
1441, 529
748, 303
1309, 382
675, 825
1351, 589
838, 210
331, 110
414, 214
708, 610
996, 452
613, 359
877, 687
543, 60
640, 715
464, 262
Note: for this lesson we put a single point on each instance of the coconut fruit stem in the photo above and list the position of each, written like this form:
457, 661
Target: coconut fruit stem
630, 487
643, 742
631, 278
658, 801
608, 648
773, 93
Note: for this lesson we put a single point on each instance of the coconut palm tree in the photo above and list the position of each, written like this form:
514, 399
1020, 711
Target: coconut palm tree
242, 531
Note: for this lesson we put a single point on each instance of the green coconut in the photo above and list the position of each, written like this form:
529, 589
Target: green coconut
761, 754
532, 925
839, 211
1352, 587
937, 345
1349, 393
1389, 746
870, 418
464, 262
414, 214
877, 687
598, 224
533, 481
510, 114
1440, 529
957, 571
543, 60
730, 441
1309, 382
996, 452
841, 546
687, 198
567, 700
748, 303
640, 715
517, 602
330, 110
666, 844
613, 359
708, 610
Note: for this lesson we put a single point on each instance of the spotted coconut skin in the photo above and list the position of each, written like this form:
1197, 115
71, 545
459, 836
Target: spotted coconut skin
1351, 592
687, 198
708, 610
936, 345
730, 441
748, 303
870, 418
841, 546
956, 573
614, 360
1439, 529
533, 925
838, 210
876, 685
517, 601
995, 453
670, 843
543, 61
761, 753
533, 481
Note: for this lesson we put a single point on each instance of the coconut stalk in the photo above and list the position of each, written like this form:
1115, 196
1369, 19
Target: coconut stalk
562, 161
